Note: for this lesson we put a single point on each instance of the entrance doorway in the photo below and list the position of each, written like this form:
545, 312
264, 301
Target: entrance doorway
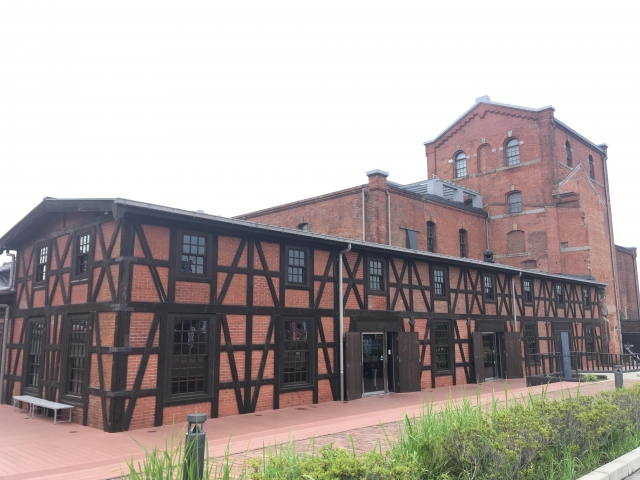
491, 352
381, 362
497, 355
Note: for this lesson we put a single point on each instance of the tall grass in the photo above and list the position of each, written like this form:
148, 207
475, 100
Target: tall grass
531, 437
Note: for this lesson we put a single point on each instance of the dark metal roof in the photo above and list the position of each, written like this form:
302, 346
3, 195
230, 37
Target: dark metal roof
120, 205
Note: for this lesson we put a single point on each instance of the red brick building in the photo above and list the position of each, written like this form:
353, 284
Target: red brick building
541, 192
137, 314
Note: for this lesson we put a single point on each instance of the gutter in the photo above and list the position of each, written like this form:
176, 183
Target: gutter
341, 310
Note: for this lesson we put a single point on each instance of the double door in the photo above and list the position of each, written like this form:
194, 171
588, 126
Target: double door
497, 355
381, 362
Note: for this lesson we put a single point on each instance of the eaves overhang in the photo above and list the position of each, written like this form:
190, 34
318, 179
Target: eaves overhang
28, 224
598, 148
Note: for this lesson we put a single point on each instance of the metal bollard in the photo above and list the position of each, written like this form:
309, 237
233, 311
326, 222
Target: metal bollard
617, 373
194, 444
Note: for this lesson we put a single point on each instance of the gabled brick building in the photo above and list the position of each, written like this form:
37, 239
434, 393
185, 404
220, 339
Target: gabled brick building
542, 194
138, 314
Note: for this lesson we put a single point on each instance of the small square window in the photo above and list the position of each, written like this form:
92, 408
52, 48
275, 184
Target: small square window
376, 276
488, 287
527, 291
194, 254
296, 266
439, 284
559, 294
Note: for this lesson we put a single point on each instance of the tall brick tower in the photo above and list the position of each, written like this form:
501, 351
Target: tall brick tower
545, 188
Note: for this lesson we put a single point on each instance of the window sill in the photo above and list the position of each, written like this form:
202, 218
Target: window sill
184, 399
295, 387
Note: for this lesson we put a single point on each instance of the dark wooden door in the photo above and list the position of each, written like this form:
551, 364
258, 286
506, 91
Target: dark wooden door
513, 354
409, 368
353, 365
478, 356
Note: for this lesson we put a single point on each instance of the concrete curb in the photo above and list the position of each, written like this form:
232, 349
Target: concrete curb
619, 469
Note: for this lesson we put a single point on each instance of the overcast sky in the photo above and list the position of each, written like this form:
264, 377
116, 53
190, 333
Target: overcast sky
230, 107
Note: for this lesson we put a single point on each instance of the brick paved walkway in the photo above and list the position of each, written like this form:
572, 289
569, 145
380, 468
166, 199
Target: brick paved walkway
36, 449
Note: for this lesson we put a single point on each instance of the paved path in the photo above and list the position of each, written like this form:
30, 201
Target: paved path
36, 449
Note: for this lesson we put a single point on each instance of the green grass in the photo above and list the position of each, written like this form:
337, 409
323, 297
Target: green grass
532, 438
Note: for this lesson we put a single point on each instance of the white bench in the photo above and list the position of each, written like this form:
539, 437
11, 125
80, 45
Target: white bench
35, 403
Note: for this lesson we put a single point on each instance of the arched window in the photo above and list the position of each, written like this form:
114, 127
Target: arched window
461, 165
513, 152
515, 202
592, 169
431, 237
464, 247
569, 160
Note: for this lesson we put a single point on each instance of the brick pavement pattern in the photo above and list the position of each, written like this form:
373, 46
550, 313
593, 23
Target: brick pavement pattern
36, 449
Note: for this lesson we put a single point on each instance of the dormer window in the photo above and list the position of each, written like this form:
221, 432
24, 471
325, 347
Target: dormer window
567, 146
461, 165
304, 227
513, 152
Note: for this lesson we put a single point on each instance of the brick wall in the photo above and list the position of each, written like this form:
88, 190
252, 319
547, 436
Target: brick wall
628, 283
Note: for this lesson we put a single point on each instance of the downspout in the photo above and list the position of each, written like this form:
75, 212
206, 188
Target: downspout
363, 217
341, 310
486, 226
5, 325
4, 348
513, 301
389, 216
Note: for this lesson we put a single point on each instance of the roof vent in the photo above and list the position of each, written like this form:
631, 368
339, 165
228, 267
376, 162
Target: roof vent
484, 98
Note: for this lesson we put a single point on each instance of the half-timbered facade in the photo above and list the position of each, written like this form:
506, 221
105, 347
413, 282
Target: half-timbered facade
138, 314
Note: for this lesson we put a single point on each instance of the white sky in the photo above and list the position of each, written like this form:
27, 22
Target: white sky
231, 107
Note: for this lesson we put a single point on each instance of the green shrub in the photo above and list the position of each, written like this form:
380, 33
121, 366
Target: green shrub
533, 438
